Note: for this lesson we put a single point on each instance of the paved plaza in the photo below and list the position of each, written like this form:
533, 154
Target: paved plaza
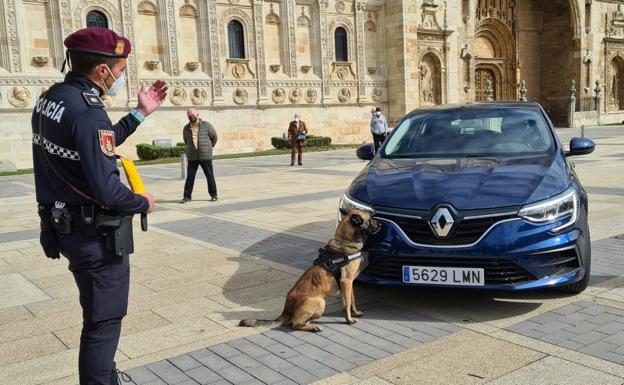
203, 266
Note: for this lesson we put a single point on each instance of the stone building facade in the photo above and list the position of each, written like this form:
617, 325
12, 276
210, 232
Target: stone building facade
249, 65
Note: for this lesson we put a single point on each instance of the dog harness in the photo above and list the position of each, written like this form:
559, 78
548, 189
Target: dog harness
333, 262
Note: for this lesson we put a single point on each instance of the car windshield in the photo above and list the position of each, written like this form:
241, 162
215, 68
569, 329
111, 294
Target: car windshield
471, 133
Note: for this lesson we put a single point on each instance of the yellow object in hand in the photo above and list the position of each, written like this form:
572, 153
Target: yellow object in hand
134, 179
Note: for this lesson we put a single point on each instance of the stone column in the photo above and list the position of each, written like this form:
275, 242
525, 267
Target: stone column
290, 23
13, 31
169, 32
360, 7
523, 91
215, 59
572, 104
58, 50
133, 66
325, 54
258, 18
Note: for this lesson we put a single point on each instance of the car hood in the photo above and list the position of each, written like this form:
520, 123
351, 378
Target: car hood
465, 183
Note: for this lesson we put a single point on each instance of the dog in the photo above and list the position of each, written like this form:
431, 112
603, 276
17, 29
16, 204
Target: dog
306, 299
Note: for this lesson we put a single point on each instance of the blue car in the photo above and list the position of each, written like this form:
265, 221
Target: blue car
475, 196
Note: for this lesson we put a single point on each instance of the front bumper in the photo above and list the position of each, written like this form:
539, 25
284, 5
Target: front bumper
515, 254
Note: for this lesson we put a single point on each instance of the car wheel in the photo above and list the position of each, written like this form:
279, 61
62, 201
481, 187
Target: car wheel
582, 284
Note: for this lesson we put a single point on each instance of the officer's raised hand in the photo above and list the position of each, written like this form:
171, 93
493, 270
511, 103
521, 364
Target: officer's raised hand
150, 99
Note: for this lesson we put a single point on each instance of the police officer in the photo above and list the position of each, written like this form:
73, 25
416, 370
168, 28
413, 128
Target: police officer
85, 210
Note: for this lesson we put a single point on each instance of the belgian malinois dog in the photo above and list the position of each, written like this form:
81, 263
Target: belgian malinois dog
306, 299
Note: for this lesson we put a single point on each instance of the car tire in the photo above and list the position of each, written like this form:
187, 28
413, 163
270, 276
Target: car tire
582, 284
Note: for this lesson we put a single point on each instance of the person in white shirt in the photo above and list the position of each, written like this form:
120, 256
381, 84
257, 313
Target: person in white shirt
379, 128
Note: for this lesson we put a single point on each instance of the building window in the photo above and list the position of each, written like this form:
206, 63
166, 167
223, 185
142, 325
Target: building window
236, 40
96, 19
340, 43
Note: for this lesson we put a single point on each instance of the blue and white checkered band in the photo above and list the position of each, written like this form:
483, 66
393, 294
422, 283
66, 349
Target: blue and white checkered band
55, 149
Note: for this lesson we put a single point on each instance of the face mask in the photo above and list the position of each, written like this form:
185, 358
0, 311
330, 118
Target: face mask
378, 113
193, 119
118, 84
296, 119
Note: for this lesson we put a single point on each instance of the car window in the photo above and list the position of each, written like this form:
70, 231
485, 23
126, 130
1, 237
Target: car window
471, 132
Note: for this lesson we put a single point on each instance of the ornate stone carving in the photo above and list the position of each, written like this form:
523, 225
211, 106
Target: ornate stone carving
213, 33
272, 17
240, 96
303, 20
325, 54
340, 6
101, 5
238, 71
12, 35
172, 38
192, 65
377, 95
152, 65
359, 22
147, 8
310, 95
198, 97
342, 73
429, 19
133, 71
343, 70
372, 70
19, 97
279, 96
502, 11
292, 39
305, 69
344, 95
188, 11
40, 61
178, 96
66, 17
295, 96
275, 67
371, 23
242, 16
260, 64
523, 91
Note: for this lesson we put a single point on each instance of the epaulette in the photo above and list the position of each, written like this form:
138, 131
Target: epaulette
93, 100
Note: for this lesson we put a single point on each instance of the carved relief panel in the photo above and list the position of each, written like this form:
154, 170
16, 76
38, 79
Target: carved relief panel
430, 80
151, 50
189, 34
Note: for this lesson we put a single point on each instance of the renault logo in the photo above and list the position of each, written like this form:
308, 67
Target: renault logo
442, 222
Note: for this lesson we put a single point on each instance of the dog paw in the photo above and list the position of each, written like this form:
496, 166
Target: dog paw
356, 313
317, 329
351, 321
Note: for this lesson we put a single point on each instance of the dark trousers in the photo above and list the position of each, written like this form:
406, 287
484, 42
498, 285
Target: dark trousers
103, 281
378, 140
191, 171
297, 149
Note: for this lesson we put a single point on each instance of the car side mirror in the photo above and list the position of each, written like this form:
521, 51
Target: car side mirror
581, 146
365, 152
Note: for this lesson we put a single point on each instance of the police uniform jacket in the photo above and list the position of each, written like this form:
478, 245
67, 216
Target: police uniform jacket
206, 140
79, 140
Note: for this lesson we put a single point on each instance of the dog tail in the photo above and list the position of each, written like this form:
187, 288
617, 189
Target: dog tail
262, 322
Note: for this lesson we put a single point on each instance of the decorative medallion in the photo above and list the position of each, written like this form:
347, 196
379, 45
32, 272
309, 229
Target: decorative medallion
19, 97
151, 65
275, 67
279, 95
198, 96
342, 73
192, 65
372, 70
344, 95
238, 71
377, 94
295, 96
40, 61
272, 17
240, 96
178, 96
305, 69
340, 6
310, 95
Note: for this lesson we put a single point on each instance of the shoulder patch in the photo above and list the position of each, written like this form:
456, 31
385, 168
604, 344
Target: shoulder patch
92, 99
107, 142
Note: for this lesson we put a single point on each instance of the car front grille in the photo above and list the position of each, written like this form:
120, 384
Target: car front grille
497, 271
465, 232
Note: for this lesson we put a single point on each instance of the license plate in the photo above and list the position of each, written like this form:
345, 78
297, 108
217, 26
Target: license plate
455, 276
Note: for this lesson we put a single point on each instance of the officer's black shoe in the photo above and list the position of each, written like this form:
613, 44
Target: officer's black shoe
185, 200
120, 378
214, 198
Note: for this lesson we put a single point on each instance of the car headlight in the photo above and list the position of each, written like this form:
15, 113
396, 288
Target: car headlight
348, 203
553, 208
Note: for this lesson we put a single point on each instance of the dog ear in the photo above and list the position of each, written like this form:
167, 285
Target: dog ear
356, 220
344, 211
374, 227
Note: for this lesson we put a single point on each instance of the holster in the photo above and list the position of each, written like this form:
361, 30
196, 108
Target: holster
47, 237
117, 233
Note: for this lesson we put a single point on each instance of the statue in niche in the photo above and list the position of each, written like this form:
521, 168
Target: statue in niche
240, 96
198, 96
178, 96
279, 95
344, 95
429, 81
19, 97
295, 96
310, 95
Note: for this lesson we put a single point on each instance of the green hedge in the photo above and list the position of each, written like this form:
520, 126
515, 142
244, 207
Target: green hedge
151, 152
311, 141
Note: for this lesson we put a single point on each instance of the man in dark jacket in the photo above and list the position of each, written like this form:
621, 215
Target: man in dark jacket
199, 137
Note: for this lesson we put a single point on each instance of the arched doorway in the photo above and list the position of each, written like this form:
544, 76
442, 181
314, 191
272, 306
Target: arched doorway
494, 48
430, 80
616, 84
482, 77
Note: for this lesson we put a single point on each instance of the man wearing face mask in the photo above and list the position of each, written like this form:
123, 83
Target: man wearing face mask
85, 210
379, 128
200, 137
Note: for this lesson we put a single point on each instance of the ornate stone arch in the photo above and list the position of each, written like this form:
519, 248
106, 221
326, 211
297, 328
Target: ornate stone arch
241, 16
84, 7
498, 34
147, 7
615, 82
188, 11
348, 26
431, 78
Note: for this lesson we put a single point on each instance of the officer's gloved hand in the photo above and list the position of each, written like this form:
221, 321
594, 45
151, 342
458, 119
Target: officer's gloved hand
47, 239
